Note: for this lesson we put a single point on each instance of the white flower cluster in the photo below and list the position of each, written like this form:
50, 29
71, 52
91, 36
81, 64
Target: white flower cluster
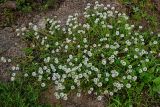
101, 56
14, 69
5, 60
8, 60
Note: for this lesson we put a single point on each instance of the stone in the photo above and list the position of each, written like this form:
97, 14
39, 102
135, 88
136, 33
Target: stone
10, 5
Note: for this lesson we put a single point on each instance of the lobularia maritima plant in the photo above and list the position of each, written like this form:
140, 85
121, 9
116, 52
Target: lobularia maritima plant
101, 55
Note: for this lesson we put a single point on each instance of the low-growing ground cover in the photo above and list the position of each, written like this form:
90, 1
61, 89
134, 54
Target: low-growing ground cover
102, 55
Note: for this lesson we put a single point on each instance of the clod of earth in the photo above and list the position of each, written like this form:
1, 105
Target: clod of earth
10, 5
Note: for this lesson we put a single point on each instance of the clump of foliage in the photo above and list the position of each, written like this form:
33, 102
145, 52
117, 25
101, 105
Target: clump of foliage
20, 94
104, 55
28, 5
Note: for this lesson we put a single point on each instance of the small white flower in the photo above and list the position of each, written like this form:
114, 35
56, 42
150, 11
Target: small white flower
107, 74
145, 69
72, 87
128, 42
123, 63
65, 97
107, 46
89, 91
104, 62
110, 26
106, 92
115, 52
155, 42
78, 94
25, 75
121, 35
9, 60
108, 5
111, 93
125, 49
35, 28
129, 77
136, 49
57, 50
17, 30
40, 71
99, 84
43, 84
34, 74
147, 60
57, 95
52, 51
12, 78
66, 47
135, 56
80, 75
99, 75
13, 68
106, 79
76, 59
89, 53
130, 66
17, 68
3, 59
44, 68
140, 27
99, 98
78, 46
128, 85
112, 8
23, 29
140, 71
13, 74
124, 77
134, 78
85, 40
56, 60
117, 33
70, 56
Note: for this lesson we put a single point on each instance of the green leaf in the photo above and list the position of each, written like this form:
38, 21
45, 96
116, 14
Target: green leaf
28, 51
156, 88
147, 77
157, 81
